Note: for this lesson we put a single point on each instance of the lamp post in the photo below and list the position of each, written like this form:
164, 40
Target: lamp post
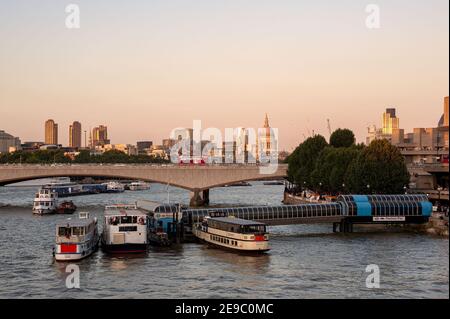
343, 188
405, 189
368, 188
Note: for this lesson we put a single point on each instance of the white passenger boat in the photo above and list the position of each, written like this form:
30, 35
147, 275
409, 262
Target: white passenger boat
114, 187
76, 238
233, 233
45, 202
125, 229
138, 186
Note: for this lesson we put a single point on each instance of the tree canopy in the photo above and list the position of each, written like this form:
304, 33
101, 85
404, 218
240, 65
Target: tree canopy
342, 138
343, 167
331, 168
84, 156
379, 168
303, 160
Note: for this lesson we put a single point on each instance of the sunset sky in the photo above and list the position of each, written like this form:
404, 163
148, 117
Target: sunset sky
145, 67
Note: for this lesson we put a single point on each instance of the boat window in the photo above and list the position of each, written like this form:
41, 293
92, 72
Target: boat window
126, 219
64, 231
76, 231
253, 229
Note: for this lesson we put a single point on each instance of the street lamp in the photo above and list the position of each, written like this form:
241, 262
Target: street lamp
368, 188
405, 188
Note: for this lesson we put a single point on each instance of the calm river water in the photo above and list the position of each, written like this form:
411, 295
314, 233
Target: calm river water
304, 261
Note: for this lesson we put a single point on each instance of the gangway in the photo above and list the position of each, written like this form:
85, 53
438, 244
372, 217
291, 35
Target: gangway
346, 211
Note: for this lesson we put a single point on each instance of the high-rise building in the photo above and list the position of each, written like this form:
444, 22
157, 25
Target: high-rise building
100, 136
144, 146
51, 132
390, 121
8, 142
390, 125
75, 135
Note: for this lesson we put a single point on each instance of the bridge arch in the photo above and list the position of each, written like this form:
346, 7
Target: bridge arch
191, 178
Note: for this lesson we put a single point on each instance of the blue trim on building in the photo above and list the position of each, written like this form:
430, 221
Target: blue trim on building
427, 208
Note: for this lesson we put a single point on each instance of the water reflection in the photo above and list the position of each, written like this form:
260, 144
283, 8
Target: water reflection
120, 262
238, 262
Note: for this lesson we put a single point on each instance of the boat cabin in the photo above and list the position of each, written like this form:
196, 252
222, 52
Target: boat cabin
235, 225
75, 230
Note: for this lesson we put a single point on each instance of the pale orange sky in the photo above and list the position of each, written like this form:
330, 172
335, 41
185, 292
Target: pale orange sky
143, 68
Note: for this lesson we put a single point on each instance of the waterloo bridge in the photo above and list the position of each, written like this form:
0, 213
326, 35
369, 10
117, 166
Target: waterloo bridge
196, 178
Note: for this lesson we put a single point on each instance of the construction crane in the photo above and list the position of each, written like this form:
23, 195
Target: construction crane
329, 127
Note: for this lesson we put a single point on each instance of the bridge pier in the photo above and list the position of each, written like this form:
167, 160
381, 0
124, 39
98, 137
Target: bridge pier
199, 198
206, 197
344, 227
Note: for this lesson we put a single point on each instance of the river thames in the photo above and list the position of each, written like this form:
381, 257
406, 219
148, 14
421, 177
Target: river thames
305, 261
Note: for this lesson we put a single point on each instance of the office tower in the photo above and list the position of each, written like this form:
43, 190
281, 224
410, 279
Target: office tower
100, 136
75, 135
390, 121
51, 132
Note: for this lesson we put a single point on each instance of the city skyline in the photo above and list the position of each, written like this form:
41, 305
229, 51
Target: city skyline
238, 61
389, 120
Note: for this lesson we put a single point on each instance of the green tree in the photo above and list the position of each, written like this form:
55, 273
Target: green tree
379, 169
84, 156
331, 168
342, 138
114, 156
303, 160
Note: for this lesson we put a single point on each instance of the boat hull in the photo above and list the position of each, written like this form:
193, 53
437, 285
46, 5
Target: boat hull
128, 248
41, 212
243, 246
76, 256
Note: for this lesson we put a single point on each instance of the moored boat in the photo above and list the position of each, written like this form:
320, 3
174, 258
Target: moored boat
114, 187
125, 229
65, 188
66, 207
76, 238
233, 234
45, 202
138, 186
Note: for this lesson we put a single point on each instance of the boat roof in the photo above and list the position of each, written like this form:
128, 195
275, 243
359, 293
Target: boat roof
69, 222
237, 221
124, 211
